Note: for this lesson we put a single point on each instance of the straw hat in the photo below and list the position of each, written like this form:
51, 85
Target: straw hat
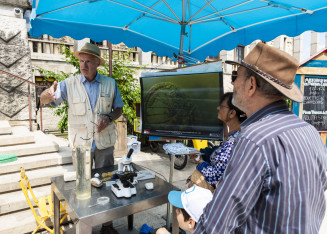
276, 67
91, 49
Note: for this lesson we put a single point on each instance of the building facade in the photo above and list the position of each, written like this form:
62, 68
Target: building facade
21, 56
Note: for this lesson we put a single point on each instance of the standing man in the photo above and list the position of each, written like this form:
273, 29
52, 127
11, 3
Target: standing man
94, 102
275, 179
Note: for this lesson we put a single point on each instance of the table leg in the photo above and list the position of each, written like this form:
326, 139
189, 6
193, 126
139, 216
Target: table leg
175, 227
82, 228
172, 162
130, 220
171, 173
56, 213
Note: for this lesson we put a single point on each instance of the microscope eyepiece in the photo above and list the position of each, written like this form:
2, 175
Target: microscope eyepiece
129, 154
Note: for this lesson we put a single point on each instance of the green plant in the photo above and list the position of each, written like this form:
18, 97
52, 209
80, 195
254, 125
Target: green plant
122, 72
289, 103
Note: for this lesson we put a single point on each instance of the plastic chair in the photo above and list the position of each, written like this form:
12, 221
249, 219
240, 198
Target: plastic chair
45, 212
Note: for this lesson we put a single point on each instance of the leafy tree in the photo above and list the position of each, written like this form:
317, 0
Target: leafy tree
122, 72
129, 88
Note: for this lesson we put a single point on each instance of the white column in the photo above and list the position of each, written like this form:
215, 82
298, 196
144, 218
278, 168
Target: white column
39, 47
288, 45
279, 42
314, 43
227, 55
79, 44
298, 47
145, 58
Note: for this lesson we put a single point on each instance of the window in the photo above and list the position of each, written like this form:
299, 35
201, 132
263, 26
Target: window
38, 90
212, 58
34, 46
97, 43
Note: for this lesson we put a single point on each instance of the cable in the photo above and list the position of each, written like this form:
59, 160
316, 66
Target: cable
155, 172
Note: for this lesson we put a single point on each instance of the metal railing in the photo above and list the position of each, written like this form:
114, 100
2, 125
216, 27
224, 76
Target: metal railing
29, 96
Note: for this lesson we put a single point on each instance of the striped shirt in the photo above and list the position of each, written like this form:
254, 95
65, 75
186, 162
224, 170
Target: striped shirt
275, 179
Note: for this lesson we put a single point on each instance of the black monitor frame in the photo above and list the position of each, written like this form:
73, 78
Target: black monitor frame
178, 133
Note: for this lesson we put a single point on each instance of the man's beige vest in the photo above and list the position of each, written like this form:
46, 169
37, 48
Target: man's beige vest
82, 129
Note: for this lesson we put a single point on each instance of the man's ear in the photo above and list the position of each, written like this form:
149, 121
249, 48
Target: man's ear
251, 85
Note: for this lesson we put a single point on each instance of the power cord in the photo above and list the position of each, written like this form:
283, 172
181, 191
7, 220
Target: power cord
155, 172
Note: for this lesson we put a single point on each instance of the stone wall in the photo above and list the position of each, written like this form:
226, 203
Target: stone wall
14, 58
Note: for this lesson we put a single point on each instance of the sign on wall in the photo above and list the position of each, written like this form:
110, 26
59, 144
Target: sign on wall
315, 102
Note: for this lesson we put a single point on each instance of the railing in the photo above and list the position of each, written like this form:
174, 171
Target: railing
29, 96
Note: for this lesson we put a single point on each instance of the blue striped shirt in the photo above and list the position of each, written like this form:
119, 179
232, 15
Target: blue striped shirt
275, 179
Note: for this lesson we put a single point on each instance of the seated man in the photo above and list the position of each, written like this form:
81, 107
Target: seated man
190, 205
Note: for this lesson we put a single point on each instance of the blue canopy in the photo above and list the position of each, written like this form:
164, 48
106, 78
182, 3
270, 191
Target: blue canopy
197, 28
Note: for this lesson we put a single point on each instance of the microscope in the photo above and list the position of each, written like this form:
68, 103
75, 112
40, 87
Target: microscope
125, 177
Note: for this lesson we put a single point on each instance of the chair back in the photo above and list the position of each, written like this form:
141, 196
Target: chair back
27, 190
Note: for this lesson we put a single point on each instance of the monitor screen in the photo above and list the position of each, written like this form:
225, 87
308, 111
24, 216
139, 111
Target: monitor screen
182, 105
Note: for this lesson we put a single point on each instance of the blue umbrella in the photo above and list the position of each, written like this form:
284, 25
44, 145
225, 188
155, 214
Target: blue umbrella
196, 28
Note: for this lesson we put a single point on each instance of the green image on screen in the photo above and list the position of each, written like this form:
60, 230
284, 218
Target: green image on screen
182, 104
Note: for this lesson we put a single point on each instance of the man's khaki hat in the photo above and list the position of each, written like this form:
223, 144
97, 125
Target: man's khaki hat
91, 49
276, 67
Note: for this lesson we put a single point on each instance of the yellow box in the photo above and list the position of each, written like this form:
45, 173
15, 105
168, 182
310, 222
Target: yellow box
200, 144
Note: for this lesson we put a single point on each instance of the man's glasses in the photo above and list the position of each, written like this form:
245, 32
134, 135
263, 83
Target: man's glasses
234, 76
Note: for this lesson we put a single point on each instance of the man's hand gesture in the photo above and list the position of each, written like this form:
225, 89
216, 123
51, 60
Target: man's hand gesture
48, 95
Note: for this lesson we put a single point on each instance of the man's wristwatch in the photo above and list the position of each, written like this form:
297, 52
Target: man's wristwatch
110, 117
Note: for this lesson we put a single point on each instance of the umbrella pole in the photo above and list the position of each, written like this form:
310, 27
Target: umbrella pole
181, 46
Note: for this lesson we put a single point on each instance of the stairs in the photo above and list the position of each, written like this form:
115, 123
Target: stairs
43, 156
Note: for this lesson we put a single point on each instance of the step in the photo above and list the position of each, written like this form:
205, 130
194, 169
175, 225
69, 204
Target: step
4, 127
63, 156
23, 222
19, 135
30, 149
37, 177
42, 145
15, 140
16, 201
59, 140
19, 222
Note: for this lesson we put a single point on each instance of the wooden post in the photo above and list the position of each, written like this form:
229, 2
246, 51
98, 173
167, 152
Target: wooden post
41, 117
110, 58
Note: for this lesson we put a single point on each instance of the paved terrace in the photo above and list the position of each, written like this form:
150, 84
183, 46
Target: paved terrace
160, 163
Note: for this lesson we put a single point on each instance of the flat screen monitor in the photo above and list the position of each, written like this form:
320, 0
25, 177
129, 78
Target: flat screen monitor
182, 105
